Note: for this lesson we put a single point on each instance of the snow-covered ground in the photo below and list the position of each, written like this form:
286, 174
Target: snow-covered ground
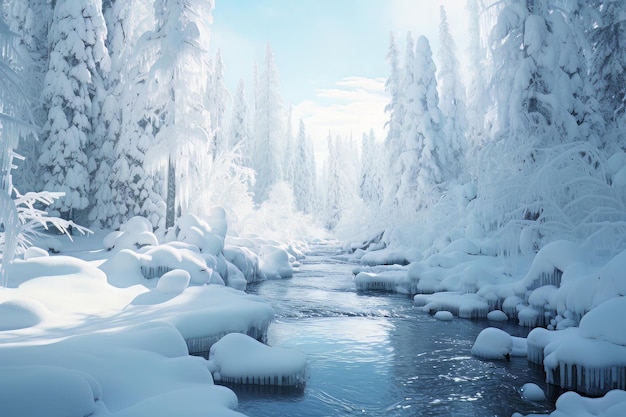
105, 327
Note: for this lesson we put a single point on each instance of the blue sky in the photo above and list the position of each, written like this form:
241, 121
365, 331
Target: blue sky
330, 54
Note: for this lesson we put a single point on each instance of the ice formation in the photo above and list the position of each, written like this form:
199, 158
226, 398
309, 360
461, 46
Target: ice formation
571, 404
237, 358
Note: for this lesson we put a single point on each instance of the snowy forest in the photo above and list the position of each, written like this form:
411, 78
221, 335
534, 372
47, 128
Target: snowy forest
115, 109
130, 116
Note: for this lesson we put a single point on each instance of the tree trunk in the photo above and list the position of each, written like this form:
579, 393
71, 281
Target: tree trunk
170, 202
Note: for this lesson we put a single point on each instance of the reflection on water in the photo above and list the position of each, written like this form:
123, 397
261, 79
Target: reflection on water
376, 355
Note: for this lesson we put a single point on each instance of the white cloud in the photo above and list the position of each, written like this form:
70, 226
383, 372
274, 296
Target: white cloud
352, 106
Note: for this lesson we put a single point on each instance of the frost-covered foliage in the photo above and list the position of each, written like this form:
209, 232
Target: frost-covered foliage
303, 177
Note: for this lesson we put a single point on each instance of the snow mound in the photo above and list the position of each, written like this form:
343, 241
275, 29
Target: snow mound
244, 259
21, 313
465, 306
444, 316
274, 262
532, 392
135, 233
237, 358
604, 322
173, 282
493, 343
35, 252
497, 315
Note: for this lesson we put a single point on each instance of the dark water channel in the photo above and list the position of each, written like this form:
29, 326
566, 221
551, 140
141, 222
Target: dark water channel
375, 354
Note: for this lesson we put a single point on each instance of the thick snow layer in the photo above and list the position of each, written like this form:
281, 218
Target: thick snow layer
140, 370
35, 252
244, 259
604, 322
463, 305
237, 358
21, 313
557, 255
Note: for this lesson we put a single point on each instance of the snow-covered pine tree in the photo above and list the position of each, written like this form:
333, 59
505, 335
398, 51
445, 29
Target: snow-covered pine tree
303, 182
394, 142
608, 65
268, 154
218, 98
290, 156
77, 57
477, 102
240, 139
452, 100
176, 108
425, 159
370, 186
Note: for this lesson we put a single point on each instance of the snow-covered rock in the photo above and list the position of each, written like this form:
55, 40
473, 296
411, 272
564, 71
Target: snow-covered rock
237, 358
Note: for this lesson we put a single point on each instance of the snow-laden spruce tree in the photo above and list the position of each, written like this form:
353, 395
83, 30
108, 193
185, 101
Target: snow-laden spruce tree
268, 116
395, 86
543, 176
608, 65
239, 132
452, 99
303, 182
217, 101
372, 169
477, 99
426, 157
290, 149
176, 84
124, 188
77, 58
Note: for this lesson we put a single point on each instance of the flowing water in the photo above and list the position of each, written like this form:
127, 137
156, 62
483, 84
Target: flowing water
375, 354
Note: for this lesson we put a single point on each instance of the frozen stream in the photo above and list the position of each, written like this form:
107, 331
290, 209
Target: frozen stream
374, 354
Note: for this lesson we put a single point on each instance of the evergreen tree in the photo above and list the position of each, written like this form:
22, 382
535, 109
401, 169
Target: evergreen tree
290, 149
268, 123
177, 81
77, 57
218, 98
452, 99
370, 187
476, 92
303, 177
608, 63
239, 132
425, 158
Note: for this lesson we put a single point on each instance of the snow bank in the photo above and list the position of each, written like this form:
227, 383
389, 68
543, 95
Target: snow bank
594, 361
571, 404
239, 359
21, 313
134, 372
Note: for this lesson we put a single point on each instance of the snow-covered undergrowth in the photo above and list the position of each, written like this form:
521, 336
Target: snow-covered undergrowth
573, 299
105, 328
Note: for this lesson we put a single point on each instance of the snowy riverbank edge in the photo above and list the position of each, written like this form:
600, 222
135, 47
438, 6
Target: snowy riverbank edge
105, 327
573, 302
